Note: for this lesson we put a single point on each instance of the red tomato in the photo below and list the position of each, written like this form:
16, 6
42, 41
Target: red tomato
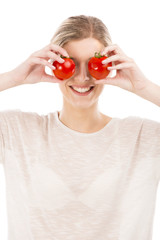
96, 68
64, 70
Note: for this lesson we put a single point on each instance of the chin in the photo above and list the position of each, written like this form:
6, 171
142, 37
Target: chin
83, 104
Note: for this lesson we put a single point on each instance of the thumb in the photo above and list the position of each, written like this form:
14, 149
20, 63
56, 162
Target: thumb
50, 78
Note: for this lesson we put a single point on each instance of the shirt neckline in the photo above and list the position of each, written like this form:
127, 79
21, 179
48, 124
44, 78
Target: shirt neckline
71, 131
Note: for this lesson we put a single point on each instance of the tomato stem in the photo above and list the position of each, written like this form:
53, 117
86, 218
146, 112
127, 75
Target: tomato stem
65, 57
98, 55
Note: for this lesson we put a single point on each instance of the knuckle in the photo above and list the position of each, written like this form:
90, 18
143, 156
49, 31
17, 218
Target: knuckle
40, 60
131, 60
48, 47
51, 54
55, 46
59, 49
52, 47
31, 58
33, 54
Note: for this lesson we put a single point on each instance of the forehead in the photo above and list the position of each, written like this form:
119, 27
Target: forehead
85, 48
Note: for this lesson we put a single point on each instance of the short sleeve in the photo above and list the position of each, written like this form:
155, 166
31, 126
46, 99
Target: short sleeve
150, 134
15, 131
1, 138
1, 148
5, 119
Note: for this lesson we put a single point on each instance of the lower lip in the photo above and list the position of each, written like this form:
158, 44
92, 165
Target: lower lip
82, 94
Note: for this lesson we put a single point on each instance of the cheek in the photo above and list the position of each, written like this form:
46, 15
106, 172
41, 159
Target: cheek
100, 88
62, 87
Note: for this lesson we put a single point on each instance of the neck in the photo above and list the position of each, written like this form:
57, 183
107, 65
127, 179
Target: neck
84, 120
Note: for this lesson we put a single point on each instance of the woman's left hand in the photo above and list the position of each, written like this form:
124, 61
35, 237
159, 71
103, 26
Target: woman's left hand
128, 75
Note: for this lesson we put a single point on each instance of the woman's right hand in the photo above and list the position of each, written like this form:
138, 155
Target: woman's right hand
32, 70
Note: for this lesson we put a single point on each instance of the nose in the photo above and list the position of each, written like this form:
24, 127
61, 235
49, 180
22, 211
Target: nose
81, 73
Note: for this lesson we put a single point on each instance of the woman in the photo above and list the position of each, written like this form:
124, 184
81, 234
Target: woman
77, 173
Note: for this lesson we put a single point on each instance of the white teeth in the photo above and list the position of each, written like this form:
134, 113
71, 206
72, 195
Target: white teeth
81, 89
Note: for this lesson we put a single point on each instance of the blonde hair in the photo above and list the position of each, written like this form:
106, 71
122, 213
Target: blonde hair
80, 27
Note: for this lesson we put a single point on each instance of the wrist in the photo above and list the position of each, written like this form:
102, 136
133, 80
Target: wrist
150, 92
7, 81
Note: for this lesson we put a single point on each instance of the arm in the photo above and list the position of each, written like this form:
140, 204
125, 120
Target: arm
151, 93
6, 81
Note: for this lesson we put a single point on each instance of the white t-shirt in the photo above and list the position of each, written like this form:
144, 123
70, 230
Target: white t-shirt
62, 184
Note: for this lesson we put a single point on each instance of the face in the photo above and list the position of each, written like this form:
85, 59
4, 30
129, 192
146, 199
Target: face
81, 51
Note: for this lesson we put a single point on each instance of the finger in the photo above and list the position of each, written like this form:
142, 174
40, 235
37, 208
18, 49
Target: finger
116, 57
42, 61
50, 48
121, 66
47, 55
57, 48
54, 56
111, 48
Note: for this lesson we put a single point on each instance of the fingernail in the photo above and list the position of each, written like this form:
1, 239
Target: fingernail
104, 61
61, 60
65, 55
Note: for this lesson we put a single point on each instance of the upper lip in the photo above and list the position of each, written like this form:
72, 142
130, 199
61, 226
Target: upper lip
81, 86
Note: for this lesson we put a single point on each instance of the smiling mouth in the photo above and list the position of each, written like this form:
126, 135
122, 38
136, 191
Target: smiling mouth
82, 93
83, 87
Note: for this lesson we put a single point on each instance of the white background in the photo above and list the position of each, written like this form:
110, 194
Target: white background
27, 26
